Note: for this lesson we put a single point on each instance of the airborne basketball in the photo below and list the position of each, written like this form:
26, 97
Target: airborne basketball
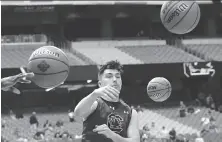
50, 66
159, 89
180, 17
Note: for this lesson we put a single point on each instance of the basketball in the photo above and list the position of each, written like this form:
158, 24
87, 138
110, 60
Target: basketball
159, 89
50, 66
180, 17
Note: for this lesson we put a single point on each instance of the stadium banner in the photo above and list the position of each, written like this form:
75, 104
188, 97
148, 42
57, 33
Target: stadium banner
199, 69
105, 2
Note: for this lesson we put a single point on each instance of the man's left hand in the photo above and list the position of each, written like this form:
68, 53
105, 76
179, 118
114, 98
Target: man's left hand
104, 130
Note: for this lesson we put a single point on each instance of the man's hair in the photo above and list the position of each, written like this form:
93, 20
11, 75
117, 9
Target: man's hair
111, 65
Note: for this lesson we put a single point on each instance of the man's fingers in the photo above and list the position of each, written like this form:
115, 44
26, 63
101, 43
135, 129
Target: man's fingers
22, 77
14, 90
110, 94
106, 97
102, 132
100, 128
29, 75
24, 81
22, 69
114, 89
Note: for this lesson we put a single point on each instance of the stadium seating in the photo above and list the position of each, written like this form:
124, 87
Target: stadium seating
187, 127
133, 51
210, 52
216, 137
210, 49
23, 38
103, 53
24, 127
160, 120
75, 60
159, 54
182, 126
190, 120
19, 54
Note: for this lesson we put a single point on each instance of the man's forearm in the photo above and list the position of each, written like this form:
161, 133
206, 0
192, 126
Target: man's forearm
84, 106
118, 138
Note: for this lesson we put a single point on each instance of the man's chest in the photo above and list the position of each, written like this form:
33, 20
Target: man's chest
116, 118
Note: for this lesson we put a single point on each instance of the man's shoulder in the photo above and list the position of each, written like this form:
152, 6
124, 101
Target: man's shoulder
124, 103
101, 101
126, 106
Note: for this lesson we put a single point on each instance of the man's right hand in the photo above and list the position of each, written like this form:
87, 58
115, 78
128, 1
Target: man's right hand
9, 82
88, 104
108, 93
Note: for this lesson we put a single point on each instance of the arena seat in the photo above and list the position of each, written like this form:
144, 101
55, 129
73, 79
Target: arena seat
216, 137
149, 116
211, 49
190, 120
159, 54
103, 52
210, 52
19, 54
185, 126
24, 127
74, 60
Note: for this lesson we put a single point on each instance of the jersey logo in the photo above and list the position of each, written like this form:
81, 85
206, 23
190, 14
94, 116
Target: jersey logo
115, 123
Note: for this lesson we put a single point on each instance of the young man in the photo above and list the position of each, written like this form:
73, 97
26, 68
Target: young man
106, 117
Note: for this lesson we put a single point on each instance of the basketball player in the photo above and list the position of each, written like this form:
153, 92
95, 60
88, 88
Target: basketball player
106, 117
7, 83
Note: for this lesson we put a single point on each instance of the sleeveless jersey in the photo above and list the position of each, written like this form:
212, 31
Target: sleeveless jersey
116, 115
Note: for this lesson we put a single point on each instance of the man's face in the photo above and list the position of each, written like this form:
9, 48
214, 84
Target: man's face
111, 77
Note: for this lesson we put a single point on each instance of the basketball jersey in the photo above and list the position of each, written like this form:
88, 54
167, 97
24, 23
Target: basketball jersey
116, 115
